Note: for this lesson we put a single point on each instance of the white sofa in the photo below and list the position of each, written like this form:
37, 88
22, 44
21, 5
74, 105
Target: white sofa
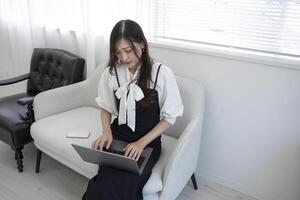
73, 108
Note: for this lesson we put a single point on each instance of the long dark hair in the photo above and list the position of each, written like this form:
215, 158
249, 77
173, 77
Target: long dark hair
132, 32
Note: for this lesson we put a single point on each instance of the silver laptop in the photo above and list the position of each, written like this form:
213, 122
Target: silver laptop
114, 157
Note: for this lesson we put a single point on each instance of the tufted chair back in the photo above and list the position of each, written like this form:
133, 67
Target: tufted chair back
52, 68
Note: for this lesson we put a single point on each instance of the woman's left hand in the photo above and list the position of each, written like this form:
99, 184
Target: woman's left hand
134, 150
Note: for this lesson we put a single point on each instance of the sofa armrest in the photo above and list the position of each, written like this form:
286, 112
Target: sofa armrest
61, 99
183, 162
14, 80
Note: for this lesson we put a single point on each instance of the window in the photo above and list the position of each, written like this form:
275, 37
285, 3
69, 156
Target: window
269, 26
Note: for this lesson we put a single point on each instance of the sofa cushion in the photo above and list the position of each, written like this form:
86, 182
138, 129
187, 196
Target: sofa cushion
49, 136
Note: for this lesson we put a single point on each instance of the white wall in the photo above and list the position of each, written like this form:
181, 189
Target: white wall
251, 138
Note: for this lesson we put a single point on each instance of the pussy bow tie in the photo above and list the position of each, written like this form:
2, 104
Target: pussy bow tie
128, 93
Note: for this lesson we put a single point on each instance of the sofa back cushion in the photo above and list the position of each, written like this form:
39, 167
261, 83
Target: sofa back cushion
192, 94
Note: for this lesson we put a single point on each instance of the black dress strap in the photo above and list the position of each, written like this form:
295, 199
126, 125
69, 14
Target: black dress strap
117, 76
156, 76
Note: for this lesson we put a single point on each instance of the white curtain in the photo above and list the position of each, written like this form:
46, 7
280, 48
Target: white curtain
79, 26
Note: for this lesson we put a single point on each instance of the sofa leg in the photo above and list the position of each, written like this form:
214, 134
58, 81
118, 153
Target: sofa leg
194, 181
19, 157
38, 161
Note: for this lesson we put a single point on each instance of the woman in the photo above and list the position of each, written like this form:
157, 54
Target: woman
143, 99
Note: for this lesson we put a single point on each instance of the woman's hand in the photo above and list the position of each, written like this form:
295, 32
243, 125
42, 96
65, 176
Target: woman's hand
104, 140
134, 150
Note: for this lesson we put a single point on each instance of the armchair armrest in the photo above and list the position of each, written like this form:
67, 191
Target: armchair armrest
183, 162
28, 101
62, 99
25, 101
14, 80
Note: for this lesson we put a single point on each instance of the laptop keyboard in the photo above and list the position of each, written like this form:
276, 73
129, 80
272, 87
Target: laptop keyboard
114, 151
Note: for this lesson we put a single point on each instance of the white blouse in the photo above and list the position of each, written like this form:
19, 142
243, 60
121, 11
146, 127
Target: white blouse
129, 92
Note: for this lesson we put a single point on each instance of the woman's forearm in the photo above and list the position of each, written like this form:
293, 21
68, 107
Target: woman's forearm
105, 120
161, 127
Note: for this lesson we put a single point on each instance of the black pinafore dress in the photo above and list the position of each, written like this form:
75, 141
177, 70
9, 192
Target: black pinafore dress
116, 184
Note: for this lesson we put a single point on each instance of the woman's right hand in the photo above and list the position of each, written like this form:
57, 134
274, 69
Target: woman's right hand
104, 140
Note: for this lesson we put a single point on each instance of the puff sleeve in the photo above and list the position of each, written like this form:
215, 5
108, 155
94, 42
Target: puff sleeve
106, 98
170, 99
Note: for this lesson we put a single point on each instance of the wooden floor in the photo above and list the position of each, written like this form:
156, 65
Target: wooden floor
57, 182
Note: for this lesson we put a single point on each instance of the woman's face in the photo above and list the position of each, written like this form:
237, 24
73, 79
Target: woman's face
126, 55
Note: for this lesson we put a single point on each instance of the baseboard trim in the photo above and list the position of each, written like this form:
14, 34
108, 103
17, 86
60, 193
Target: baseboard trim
216, 181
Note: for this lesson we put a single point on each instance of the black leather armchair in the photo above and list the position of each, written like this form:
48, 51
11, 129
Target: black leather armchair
49, 68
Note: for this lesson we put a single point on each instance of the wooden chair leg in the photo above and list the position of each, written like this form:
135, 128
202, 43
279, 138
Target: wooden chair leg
19, 158
194, 181
38, 161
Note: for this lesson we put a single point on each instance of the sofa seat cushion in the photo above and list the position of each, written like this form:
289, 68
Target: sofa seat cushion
49, 136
